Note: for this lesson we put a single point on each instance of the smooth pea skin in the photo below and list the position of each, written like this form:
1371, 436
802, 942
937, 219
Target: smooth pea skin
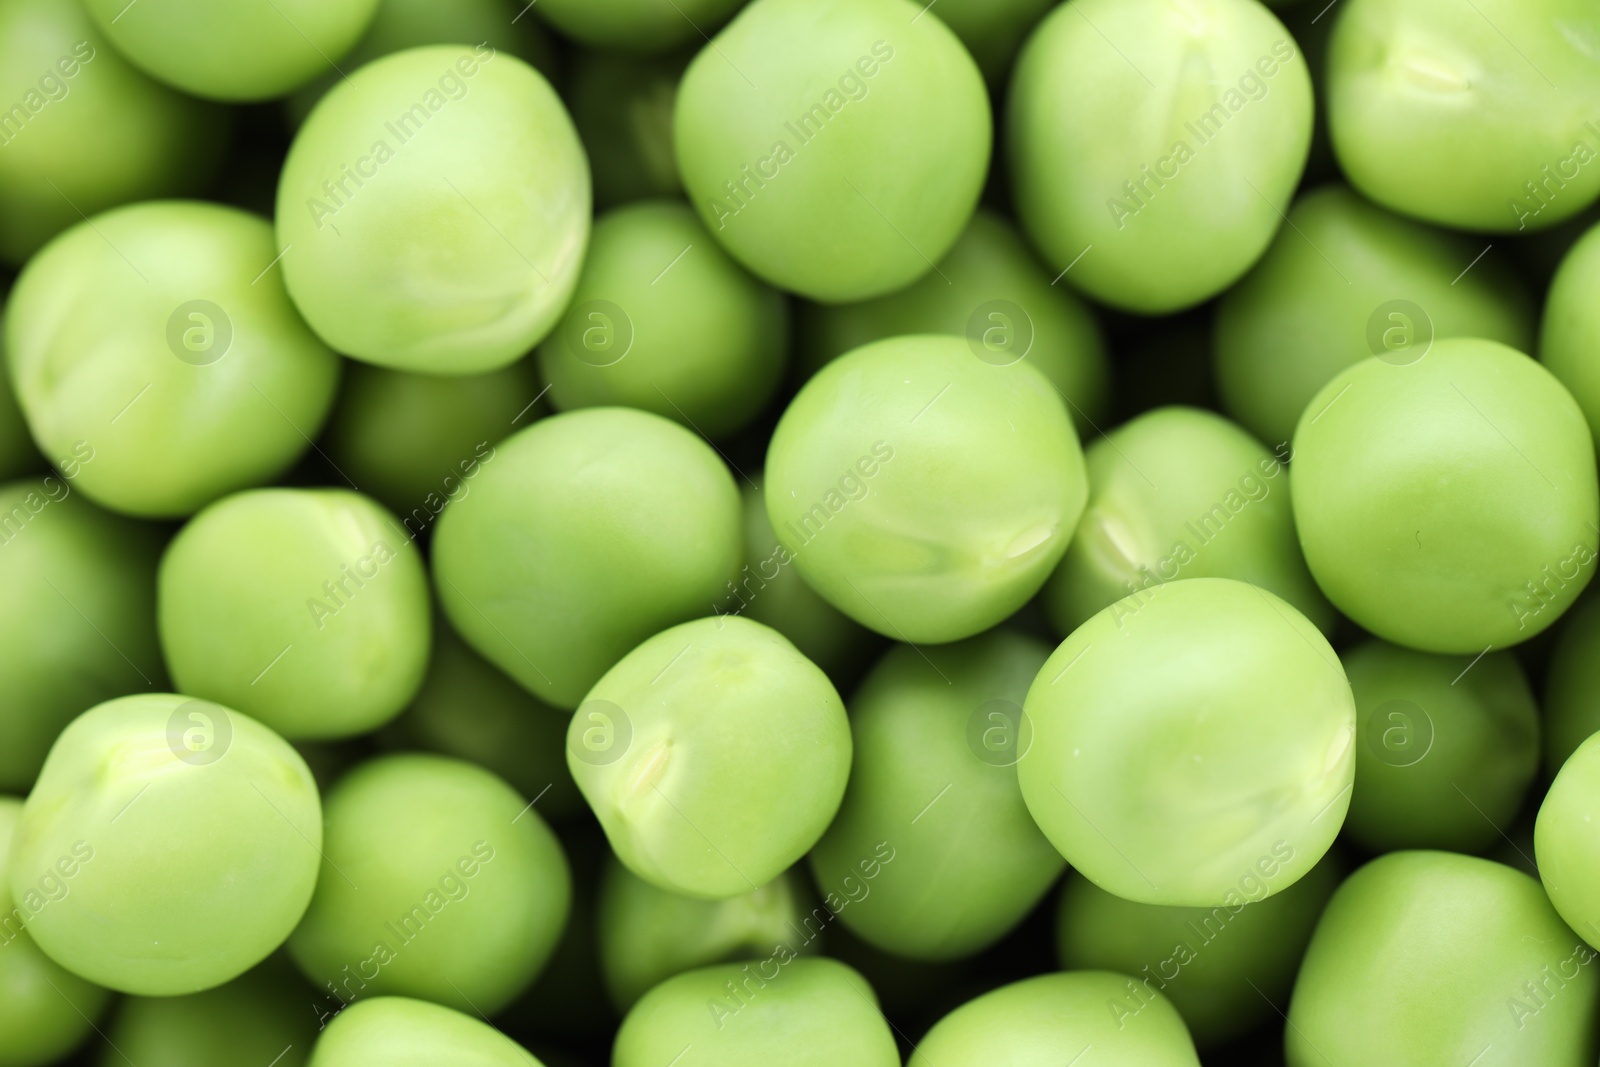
122, 137
647, 934
991, 290
238, 50
1572, 687
923, 491
714, 756
46, 1011
417, 441
1189, 741
401, 1032
622, 106
663, 320
451, 255
588, 533
1214, 964
250, 1020
1387, 287
87, 632
852, 161
637, 25
934, 781
1451, 120
1047, 1020
778, 1011
1179, 492
169, 845
1565, 841
151, 333
1158, 140
1476, 963
306, 608
1447, 503
439, 882
1571, 332
1446, 747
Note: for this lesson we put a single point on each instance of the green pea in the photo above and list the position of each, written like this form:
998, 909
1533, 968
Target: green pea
1476, 964
1047, 1020
257, 1016
637, 25
697, 793
1564, 841
122, 137
46, 1011
468, 709
647, 934
1347, 280
306, 608
590, 532
1447, 747
925, 492
1572, 687
1571, 329
1153, 144
1223, 968
1191, 743
417, 441
776, 1010
1447, 501
1451, 120
663, 320
991, 290
770, 590
240, 51
437, 205
835, 148
622, 106
401, 1032
169, 845
1182, 493
937, 735
439, 881
87, 579
151, 337
991, 31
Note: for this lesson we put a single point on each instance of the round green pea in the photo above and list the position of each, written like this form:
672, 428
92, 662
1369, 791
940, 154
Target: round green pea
437, 205
777, 1010
663, 320
417, 441
714, 756
835, 148
1047, 1020
83, 131
1344, 281
637, 25
647, 934
1571, 331
150, 336
937, 735
1191, 743
1446, 747
1449, 119
991, 290
241, 50
1222, 967
439, 881
401, 1032
589, 532
169, 845
1447, 501
87, 578
257, 1016
1572, 687
305, 608
1182, 493
46, 1011
1565, 839
622, 106
924, 491
1476, 964
1154, 144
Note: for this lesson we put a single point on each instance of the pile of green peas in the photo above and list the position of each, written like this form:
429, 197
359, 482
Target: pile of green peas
811, 533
